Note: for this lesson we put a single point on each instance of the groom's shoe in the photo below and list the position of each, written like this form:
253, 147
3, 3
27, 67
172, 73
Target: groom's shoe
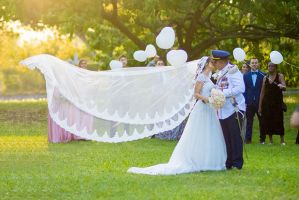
235, 167
239, 168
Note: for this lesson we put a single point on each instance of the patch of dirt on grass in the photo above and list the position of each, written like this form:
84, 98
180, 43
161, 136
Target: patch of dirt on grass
23, 116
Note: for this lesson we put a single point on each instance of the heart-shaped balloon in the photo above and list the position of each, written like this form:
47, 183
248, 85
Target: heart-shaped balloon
177, 58
166, 38
139, 56
150, 51
115, 64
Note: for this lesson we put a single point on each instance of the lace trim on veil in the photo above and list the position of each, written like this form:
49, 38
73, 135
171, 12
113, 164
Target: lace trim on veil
172, 87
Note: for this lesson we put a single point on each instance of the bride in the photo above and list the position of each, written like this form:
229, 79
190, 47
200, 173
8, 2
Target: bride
202, 146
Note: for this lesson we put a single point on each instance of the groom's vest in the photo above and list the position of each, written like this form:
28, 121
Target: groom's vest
230, 81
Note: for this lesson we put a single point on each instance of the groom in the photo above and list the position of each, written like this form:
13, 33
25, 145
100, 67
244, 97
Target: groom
230, 81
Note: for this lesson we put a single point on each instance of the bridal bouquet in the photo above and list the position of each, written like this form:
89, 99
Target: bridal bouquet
217, 98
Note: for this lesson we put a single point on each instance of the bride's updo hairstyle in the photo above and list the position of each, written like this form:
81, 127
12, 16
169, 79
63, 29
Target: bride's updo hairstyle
206, 64
201, 65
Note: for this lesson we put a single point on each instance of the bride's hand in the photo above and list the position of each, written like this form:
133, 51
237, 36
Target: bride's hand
205, 100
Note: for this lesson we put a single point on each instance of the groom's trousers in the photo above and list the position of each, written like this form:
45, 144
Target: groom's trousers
234, 144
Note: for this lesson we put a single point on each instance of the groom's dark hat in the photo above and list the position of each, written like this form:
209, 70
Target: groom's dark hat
219, 54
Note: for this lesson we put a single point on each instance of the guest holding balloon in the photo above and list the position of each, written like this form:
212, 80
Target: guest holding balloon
151, 52
153, 62
271, 106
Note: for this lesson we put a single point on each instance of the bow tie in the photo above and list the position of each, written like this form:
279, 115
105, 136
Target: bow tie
252, 73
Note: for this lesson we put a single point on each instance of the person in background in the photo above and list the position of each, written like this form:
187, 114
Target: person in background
176, 133
271, 103
295, 122
56, 134
124, 60
160, 63
253, 81
83, 63
245, 67
153, 62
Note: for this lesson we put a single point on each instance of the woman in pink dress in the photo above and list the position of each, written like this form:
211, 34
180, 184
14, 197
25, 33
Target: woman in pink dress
56, 134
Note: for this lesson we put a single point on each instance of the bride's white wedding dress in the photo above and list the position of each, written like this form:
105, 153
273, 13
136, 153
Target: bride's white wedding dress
201, 147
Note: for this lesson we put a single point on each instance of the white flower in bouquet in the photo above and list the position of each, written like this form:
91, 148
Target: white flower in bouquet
217, 98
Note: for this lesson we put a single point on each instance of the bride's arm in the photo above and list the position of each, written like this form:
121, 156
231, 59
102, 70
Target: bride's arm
197, 91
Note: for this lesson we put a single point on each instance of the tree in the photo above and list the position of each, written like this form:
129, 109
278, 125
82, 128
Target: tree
111, 26
16, 79
199, 24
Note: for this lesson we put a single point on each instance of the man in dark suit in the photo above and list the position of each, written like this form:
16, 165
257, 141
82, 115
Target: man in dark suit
253, 83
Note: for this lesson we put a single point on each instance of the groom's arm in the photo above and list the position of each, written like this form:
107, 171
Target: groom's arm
237, 85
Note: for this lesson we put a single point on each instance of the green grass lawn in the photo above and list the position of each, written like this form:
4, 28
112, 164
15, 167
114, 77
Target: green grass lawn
31, 168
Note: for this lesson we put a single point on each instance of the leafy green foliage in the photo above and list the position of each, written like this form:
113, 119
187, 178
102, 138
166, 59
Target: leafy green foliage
199, 24
111, 28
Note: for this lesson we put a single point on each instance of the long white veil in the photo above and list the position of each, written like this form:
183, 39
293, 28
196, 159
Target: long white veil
116, 105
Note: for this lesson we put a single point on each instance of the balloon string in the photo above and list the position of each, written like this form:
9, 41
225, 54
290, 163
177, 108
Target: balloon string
291, 65
265, 75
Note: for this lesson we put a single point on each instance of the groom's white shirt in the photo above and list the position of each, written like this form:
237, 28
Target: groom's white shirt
233, 89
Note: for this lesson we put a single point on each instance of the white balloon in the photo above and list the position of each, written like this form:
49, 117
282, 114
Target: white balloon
140, 56
239, 54
115, 64
166, 38
150, 51
276, 57
177, 58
